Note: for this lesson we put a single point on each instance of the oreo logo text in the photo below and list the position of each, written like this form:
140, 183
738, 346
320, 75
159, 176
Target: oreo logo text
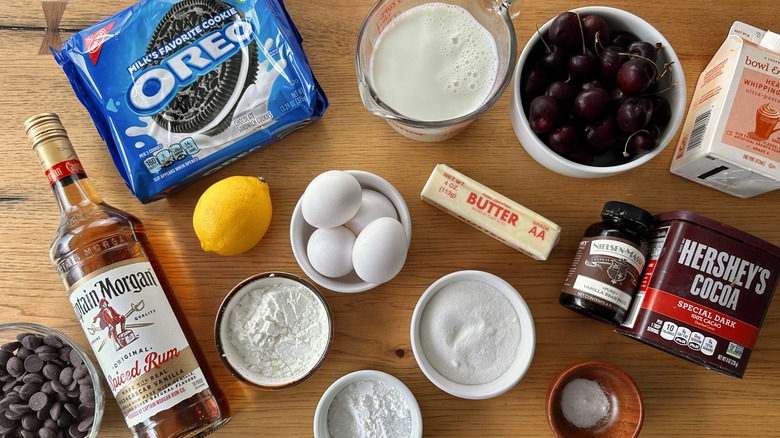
156, 86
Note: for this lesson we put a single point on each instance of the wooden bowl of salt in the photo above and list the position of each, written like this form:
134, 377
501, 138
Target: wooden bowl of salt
594, 400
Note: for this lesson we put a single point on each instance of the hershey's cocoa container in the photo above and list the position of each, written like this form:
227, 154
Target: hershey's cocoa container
705, 291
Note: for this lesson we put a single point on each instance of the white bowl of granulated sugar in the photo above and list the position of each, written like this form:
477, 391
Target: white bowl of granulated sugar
473, 335
367, 403
273, 330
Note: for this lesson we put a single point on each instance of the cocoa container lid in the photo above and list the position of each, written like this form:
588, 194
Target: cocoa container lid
720, 228
628, 211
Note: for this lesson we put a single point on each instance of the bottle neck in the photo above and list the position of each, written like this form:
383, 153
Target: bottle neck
66, 175
75, 192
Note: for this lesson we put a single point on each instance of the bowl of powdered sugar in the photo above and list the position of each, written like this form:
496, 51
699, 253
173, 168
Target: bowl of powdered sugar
472, 335
273, 330
594, 400
367, 404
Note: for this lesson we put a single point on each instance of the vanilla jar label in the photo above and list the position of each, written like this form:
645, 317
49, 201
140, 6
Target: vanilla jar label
605, 271
136, 338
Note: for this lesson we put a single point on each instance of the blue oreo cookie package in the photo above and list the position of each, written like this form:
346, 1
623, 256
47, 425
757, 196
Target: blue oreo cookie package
178, 89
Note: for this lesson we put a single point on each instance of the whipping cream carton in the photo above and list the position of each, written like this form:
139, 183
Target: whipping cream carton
731, 136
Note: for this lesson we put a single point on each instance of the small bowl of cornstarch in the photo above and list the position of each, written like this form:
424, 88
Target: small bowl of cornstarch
273, 330
367, 404
472, 335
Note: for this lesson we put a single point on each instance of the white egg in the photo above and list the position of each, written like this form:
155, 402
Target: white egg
330, 251
372, 206
380, 250
331, 199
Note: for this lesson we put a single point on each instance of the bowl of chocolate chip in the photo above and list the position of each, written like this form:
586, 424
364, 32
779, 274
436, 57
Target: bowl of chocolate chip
50, 387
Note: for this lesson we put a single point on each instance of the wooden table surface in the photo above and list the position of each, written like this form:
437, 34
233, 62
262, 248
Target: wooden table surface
372, 328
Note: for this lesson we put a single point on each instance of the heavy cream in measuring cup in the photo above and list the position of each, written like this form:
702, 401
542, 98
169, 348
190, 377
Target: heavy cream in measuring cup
434, 62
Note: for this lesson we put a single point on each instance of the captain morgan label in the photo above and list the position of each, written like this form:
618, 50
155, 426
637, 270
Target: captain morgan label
137, 339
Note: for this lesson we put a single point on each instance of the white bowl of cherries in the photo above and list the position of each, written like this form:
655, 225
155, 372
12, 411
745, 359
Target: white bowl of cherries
597, 91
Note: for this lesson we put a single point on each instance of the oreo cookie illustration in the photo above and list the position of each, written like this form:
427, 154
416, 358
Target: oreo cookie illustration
209, 101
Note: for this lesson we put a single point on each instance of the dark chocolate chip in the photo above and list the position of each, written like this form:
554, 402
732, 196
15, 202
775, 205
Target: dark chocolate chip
47, 433
31, 341
15, 366
74, 431
38, 401
33, 363
19, 408
56, 410
86, 410
50, 356
51, 371
72, 409
74, 393
75, 358
8, 400
51, 424
6, 422
8, 431
73, 385
47, 349
58, 387
63, 422
22, 353
46, 388
43, 414
88, 398
27, 390
35, 378
10, 346
53, 341
86, 424
31, 422
15, 414
80, 372
66, 376
24, 433
4, 356
9, 386
65, 353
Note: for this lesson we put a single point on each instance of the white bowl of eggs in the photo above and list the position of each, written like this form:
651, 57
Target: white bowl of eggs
350, 231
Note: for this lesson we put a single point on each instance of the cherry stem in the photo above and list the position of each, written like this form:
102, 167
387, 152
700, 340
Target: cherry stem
667, 69
542, 38
636, 55
625, 147
597, 44
582, 31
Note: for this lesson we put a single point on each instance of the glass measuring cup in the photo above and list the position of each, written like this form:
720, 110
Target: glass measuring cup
494, 15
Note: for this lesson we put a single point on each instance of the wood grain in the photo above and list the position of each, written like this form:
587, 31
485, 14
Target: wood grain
372, 328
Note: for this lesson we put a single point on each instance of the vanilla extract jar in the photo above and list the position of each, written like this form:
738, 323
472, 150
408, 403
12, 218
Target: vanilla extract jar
608, 264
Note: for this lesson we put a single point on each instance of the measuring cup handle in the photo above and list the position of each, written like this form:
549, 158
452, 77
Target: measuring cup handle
512, 7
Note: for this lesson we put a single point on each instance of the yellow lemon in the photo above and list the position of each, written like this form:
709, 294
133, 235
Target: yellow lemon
233, 215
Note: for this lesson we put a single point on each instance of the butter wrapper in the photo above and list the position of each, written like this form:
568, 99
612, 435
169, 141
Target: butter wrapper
490, 212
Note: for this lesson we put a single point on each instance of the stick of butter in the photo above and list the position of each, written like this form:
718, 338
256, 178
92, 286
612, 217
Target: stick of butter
491, 212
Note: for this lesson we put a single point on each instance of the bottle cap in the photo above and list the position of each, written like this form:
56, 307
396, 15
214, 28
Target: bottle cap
627, 211
43, 127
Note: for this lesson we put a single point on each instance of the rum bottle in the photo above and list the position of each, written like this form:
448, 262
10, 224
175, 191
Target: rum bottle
147, 352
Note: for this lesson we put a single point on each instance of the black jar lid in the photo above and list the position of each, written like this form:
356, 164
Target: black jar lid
627, 211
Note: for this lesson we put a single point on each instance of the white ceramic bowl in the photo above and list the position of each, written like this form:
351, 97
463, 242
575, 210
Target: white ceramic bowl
233, 359
321, 413
525, 352
300, 231
617, 20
